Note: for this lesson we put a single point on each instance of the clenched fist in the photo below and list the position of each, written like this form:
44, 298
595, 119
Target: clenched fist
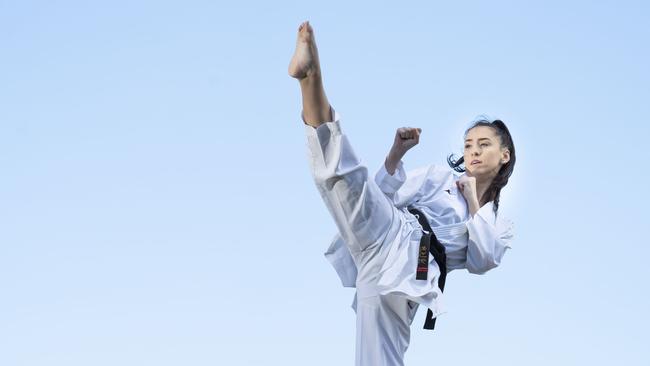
406, 138
467, 186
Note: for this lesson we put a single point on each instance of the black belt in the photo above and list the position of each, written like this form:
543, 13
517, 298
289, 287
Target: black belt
429, 244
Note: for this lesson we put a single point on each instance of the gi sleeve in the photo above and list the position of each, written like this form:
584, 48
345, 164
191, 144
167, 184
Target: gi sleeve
402, 188
489, 238
389, 184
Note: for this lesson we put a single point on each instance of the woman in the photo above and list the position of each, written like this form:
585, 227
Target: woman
377, 248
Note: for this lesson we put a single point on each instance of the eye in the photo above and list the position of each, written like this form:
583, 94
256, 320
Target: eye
484, 144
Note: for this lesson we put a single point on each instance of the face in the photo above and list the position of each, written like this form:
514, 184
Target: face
483, 145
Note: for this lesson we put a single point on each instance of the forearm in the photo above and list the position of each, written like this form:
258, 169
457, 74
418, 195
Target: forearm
392, 160
473, 206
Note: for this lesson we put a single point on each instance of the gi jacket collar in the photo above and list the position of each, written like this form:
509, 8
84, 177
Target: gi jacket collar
451, 187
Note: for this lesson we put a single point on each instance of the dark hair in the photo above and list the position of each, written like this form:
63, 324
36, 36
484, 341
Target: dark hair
501, 179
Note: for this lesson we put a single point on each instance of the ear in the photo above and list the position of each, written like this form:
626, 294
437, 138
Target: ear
505, 156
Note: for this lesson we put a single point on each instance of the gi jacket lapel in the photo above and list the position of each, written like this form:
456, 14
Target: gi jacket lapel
451, 188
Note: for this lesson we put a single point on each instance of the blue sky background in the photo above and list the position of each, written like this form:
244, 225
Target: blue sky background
156, 206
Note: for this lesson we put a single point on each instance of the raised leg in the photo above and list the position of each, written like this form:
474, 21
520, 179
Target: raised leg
364, 215
305, 67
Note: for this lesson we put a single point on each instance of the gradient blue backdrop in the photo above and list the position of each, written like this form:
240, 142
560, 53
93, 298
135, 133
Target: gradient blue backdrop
156, 206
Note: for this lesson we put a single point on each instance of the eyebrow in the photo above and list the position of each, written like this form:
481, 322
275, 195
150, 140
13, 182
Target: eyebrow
482, 138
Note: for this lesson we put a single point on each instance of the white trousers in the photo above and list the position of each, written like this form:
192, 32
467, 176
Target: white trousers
371, 227
383, 329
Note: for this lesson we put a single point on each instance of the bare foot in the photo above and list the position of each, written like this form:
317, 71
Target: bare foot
305, 59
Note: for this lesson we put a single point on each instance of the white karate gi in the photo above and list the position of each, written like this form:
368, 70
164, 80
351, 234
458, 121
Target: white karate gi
376, 248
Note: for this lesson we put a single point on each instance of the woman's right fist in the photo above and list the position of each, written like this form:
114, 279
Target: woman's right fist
406, 138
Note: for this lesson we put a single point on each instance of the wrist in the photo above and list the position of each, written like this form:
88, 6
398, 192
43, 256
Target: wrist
391, 164
395, 155
474, 206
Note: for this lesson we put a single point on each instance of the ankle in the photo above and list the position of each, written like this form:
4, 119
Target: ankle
311, 76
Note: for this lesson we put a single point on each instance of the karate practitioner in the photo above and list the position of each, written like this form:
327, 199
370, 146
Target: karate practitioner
377, 248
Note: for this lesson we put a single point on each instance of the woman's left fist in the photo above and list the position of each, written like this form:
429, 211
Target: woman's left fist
467, 186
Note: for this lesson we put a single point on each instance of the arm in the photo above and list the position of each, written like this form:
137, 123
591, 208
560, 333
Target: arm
467, 186
489, 238
393, 159
405, 139
391, 177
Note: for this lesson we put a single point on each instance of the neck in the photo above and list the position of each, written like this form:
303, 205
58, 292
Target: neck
482, 186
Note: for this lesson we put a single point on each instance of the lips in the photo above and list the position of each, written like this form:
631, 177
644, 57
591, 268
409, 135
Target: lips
475, 162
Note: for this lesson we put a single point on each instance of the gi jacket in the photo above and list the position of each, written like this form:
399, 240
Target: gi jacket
476, 243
